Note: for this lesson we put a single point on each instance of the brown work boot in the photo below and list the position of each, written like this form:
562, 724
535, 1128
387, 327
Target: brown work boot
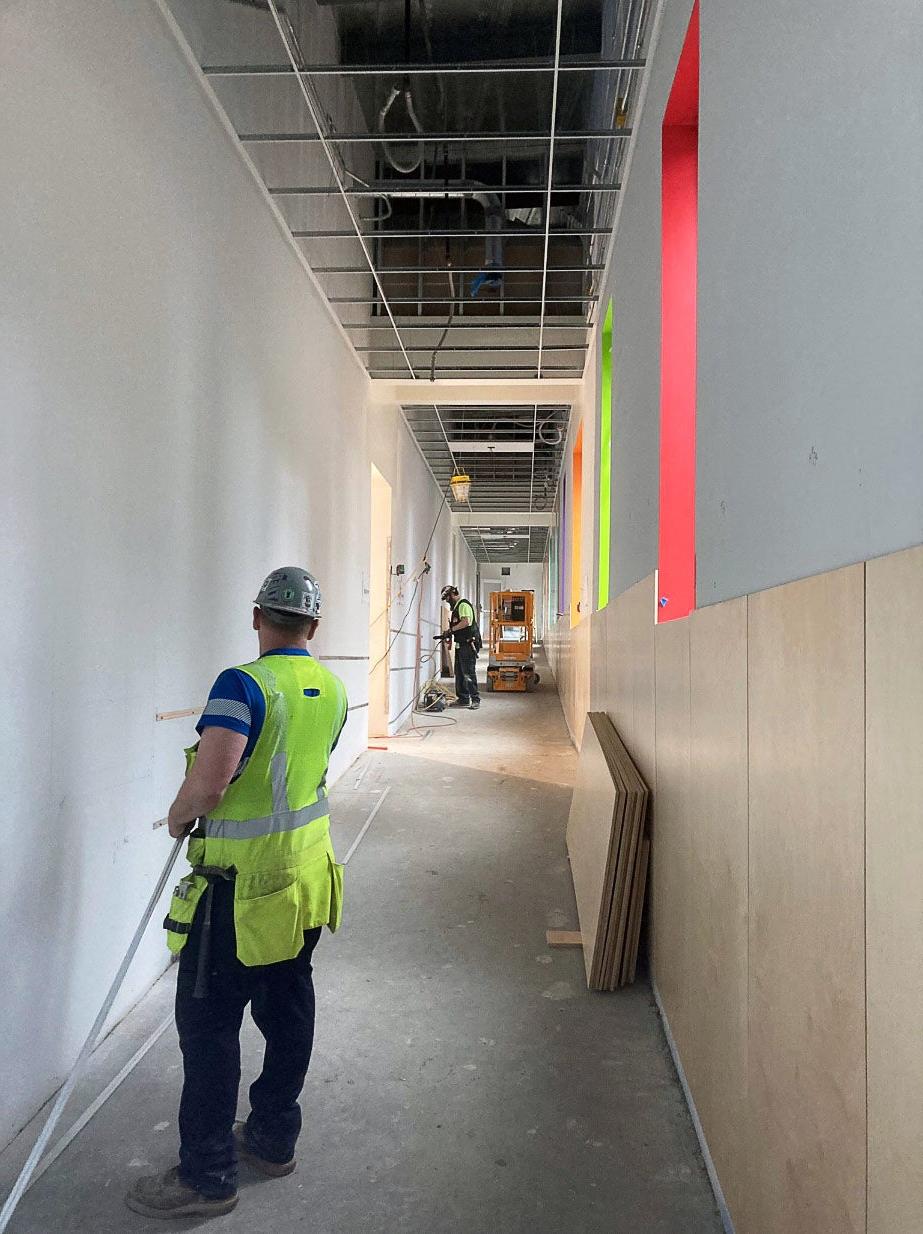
272, 1169
166, 1195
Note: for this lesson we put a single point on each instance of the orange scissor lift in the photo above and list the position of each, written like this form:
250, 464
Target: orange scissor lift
510, 666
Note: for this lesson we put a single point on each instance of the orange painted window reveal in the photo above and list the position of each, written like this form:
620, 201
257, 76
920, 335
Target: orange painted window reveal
676, 552
576, 524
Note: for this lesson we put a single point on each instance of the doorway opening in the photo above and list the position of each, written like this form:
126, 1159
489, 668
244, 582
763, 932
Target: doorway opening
379, 606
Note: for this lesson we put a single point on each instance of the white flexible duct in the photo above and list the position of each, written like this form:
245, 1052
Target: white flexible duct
396, 91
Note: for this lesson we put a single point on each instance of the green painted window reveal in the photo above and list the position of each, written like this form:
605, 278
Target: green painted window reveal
605, 464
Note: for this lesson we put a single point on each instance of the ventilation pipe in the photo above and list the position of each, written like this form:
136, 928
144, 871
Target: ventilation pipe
492, 274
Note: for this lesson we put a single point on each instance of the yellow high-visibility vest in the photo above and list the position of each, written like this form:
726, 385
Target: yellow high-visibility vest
272, 826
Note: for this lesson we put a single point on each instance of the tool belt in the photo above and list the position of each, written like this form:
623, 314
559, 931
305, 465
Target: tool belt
212, 876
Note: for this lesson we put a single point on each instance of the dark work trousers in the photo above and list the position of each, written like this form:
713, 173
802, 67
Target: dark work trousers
281, 998
466, 672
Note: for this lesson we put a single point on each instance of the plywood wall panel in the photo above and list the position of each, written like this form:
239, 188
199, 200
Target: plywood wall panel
894, 891
630, 672
580, 693
670, 834
806, 1066
715, 1060
599, 639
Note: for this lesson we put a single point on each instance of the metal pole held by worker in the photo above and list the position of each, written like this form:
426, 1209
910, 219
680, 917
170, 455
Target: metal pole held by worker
25, 1175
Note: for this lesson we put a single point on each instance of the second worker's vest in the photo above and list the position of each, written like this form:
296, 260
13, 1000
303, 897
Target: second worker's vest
271, 830
471, 633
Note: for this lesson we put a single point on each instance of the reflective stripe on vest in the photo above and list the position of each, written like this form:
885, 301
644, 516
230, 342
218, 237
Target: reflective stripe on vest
272, 824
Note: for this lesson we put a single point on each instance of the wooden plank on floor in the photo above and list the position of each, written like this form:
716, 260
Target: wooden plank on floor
894, 890
806, 1066
563, 938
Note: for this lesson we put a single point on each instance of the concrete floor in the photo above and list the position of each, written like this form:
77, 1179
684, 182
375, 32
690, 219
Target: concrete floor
464, 1079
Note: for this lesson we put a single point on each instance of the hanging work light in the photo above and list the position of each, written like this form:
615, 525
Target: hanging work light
461, 487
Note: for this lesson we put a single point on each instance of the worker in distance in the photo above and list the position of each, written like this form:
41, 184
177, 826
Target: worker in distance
463, 629
247, 918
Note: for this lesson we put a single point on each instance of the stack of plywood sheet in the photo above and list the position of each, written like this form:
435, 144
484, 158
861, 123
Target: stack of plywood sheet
608, 849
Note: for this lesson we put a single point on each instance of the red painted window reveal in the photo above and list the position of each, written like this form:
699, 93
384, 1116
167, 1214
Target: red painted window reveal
676, 556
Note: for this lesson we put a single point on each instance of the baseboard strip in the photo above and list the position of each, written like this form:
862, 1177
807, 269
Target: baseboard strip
700, 1134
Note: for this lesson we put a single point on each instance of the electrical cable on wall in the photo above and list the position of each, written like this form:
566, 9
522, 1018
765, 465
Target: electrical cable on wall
418, 575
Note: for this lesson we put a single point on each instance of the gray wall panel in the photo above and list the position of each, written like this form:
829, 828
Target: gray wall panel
810, 298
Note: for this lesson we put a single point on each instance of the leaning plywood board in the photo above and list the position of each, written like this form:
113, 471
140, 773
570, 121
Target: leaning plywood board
637, 907
604, 834
622, 869
806, 1064
618, 837
589, 832
715, 1061
628, 871
894, 891
621, 839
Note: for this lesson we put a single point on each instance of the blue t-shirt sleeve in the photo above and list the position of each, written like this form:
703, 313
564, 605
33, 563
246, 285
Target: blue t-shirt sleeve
236, 702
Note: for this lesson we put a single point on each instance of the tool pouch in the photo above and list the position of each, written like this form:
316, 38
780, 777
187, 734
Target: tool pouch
178, 922
186, 895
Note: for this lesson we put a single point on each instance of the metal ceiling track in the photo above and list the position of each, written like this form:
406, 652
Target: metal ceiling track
506, 324
442, 300
451, 234
479, 347
450, 371
568, 64
439, 270
416, 191
442, 139
551, 141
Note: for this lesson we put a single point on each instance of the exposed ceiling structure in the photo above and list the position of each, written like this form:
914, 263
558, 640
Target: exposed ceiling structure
513, 454
450, 171
450, 168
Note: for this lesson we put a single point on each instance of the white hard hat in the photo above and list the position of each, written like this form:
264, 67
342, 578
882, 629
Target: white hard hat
290, 590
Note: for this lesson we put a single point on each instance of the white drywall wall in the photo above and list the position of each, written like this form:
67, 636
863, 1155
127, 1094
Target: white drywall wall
810, 295
179, 415
421, 527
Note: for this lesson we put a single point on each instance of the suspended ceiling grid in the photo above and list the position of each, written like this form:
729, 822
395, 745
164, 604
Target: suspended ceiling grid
513, 454
501, 106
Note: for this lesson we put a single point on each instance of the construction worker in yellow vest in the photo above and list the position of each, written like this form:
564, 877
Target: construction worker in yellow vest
246, 919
